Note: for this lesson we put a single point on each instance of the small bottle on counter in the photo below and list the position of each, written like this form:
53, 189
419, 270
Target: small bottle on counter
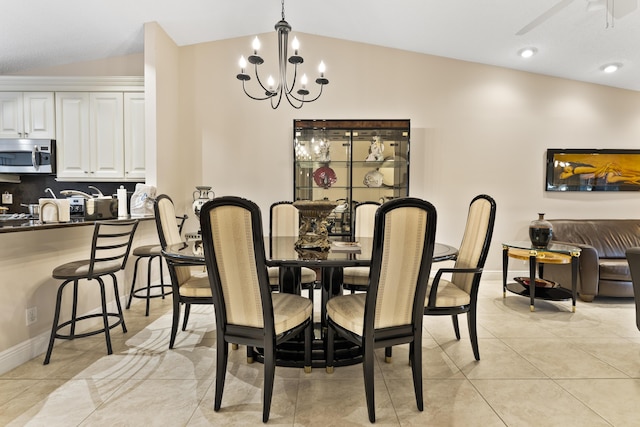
122, 202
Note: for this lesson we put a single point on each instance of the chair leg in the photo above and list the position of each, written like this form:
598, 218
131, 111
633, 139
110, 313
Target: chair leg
146, 312
251, 353
74, 310
473, 333
269, 374
388, 353
222, 354
415, 355
175, 321
54, 327
133, 282
105, 317
456, 328
367, 368
330, 350
187, 310
308, 332
118, 305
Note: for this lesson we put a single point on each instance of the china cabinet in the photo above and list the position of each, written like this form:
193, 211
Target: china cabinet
350, 161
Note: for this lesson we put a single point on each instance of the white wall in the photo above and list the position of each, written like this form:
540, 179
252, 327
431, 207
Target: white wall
475, 129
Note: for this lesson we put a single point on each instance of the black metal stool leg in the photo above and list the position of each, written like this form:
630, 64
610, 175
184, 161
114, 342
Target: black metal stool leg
105, 318
74, 309
117, 298
149, 262
56, 319
133, 282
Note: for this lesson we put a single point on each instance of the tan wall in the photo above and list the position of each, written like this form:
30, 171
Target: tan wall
475, 129
173, 159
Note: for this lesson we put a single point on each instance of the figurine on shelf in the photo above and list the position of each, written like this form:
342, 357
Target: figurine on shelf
321, 150
375, 150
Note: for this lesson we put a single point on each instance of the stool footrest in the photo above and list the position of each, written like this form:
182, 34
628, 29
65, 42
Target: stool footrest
163, 294
90, 333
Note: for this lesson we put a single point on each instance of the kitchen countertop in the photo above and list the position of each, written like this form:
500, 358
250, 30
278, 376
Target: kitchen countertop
34, 224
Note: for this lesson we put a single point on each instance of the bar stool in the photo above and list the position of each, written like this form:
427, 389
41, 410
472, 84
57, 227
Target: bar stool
109, 251
150, 252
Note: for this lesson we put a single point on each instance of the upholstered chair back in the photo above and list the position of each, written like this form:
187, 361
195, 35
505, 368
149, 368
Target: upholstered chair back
365, 214
477, 236
285, 219
169, 231
240, 272
401, 262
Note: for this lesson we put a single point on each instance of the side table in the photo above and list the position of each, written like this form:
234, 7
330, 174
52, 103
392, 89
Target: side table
554, 253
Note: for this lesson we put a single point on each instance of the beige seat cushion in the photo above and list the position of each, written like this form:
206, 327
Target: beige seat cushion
196, 286
308, 275
356, 276
147, 250
289, 311
80, 269
449, 295
348, 311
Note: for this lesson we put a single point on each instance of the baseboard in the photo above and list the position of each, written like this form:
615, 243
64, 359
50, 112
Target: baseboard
36, 346
23, 352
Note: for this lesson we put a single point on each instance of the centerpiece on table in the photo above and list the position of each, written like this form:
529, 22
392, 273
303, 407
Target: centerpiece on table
313, 224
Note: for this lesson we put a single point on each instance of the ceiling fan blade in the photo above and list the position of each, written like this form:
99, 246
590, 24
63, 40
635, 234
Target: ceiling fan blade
546, 15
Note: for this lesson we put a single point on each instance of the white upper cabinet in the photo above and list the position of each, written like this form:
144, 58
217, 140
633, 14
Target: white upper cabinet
27, 115
72, 124
100, 136
134, 136
106, 142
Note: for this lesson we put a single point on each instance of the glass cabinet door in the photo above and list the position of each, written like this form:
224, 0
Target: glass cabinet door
350, 161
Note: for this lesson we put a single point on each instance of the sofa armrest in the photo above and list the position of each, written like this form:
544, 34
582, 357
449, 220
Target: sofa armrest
589, 273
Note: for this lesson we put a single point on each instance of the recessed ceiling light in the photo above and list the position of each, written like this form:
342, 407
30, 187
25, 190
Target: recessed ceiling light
527, 52
611, 68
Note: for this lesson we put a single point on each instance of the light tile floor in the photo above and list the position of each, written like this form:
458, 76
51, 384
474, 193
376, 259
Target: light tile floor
551, 367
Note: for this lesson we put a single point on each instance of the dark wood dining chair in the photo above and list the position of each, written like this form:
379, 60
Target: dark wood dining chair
391, 311
459, 294
357, 278
247, 311
187, 287
284, 220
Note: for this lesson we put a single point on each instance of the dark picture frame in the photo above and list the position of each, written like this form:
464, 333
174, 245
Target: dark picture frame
593, 170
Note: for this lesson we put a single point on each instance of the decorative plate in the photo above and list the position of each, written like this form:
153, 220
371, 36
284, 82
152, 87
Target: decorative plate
540, 283
373, 179
324, 177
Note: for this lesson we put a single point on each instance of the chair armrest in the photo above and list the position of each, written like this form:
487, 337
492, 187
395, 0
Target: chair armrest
436, 280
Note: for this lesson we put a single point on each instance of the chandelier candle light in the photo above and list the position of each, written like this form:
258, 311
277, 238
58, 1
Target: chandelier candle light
272, 91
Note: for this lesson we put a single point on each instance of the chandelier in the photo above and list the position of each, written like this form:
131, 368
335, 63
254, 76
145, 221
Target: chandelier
273, 91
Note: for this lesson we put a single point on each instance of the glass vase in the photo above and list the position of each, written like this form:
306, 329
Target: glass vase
540, 232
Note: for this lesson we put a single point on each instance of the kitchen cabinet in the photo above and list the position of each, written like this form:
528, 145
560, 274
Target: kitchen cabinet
100, 137
134, 136
350, 161
27, 115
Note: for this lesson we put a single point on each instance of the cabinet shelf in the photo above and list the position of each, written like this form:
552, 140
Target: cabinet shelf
336, 151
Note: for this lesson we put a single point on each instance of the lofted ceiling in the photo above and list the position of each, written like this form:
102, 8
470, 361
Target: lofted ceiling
574, 39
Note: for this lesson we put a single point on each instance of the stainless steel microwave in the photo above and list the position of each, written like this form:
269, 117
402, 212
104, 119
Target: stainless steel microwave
27, 156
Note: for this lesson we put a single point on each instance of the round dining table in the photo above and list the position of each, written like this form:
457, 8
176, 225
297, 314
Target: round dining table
281, 252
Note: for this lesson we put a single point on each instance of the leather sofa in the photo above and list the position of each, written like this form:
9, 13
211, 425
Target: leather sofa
633, 255
604, 270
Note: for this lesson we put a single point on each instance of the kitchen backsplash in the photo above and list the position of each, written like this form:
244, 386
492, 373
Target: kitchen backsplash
31, 188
